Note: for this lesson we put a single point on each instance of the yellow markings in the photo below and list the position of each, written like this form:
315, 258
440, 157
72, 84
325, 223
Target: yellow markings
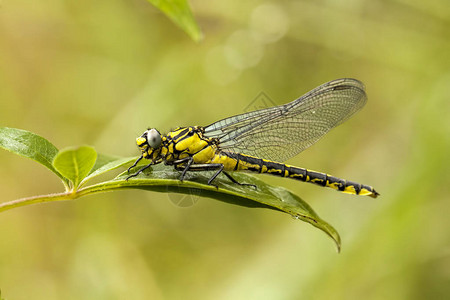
198, 145
228, 162
286, 173
155, 154
191, 144
316, 180
205, 155
140, 141
365, 192
170, 149
293, 175
270, 171
164, 151
183, 155
333, 185
186, 142
175, 132
350, 189
243, 165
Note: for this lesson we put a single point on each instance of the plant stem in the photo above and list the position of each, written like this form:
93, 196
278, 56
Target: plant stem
37, 199
98, 188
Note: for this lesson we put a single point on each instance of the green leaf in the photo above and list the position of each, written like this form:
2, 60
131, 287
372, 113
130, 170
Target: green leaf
75, 163
164, 179
180, 13
103, 159
81, 164
29, 145
105, 164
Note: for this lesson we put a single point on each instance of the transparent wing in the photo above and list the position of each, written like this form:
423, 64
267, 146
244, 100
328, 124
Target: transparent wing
281, 132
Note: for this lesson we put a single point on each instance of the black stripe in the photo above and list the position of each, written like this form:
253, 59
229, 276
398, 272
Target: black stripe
175, 151
297, 171
317, 178
355, 185
342, 182
271, 166
369, 188
230, 154
237, 163
251, 160
183, 132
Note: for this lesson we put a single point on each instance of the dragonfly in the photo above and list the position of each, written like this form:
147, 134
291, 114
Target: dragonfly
260, 141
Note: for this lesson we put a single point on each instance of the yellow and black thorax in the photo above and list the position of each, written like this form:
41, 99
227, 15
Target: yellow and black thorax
178, 144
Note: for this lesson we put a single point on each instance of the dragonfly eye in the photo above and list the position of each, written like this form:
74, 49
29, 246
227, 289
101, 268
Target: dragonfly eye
153, 138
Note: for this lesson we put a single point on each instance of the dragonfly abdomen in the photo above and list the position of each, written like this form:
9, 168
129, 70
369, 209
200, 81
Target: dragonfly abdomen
254, 164
330, 181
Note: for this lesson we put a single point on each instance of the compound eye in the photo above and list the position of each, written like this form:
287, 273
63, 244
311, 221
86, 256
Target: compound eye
153, 138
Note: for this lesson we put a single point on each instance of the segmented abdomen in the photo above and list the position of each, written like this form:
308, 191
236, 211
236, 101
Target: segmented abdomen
254, 164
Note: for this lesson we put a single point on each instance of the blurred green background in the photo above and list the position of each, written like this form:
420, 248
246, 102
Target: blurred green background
101, 72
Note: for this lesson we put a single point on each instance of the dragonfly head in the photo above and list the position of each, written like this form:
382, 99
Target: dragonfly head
150, 143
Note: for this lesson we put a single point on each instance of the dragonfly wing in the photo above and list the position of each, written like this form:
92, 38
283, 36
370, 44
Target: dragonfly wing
281, 132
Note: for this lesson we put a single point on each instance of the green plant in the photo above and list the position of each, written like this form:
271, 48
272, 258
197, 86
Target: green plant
180, 13
76, 166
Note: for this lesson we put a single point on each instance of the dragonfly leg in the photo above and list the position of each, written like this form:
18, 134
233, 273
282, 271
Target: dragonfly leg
237, 182
186, 168
209, 167
203, 167
135, 163
139, 172
220, 166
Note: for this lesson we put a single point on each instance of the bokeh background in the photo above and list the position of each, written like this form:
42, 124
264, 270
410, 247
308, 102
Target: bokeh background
101, 72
